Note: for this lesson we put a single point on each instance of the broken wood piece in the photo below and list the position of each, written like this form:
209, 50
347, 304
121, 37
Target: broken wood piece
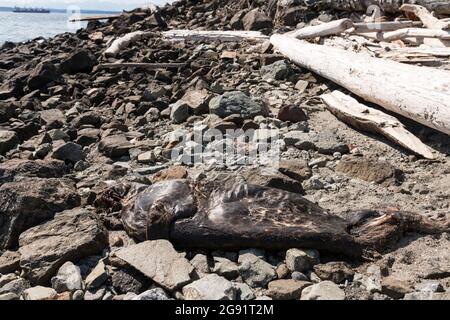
429, 21
150, 66
383, 26
124, 41
416, 33
224, 36
324, 29
365, 118
94, 18
419, 93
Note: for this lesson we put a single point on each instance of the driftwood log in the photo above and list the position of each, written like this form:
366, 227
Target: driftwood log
324, 29
123, 42
418, 93
224, 36
365, 118
391, 6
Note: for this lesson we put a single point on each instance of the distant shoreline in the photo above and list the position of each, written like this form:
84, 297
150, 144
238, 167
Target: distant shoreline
10, 9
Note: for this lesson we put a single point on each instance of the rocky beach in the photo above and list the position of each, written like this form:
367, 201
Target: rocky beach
116, 181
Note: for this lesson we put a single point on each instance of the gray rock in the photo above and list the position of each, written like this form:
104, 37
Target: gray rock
44, 73
78, 295
68, 151
16, 286
260, 253
68, 278
225, 268
287, 289
292, 138
255, 271
128, 280
179, 111
256, 20
8, 140
328, 143
9, 296
159, 261
429, 286
152, 294
427, 296
243, 291
53, 118
301, 260
35, 201
80, 61
114, 146
197, 100
337, 271
278, 70
211, 287
97, 276
236, 102
71, 235
6, 278
39, 293
94, 294
202, 264
299, 276
325, 290
395, 288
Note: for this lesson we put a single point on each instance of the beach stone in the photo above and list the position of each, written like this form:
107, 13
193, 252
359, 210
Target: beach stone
53, 118
9, 262
243, 291
226, 268
256, 20
16, 286
152, 294
7, 111
210, 287
68, 278
94, 294
8, 141
202, 264
288, 289
429, 286
31, 168
292, 113
35, 201
379, 172
236, 102
297, 169
4, 279
97, 276
326, 290
197, 100
282, 271
294, 137
278, 70
255, 271
395, 288
159, 261
336, 271
236, 21
68, 151
129, 280
79, 61
179, 111
71, 235
9, 296
114, 146
172, 173
44, 73
39, 293
301, 260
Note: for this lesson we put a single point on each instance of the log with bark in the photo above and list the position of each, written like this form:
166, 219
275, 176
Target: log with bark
365, 118
390, 6
418, 93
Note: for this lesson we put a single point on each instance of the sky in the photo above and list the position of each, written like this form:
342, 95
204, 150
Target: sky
83, 4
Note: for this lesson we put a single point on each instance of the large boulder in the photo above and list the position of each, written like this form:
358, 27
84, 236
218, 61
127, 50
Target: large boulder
159, 261
70, 236
8, 141
236, 102
256, 20
26, 203
80, 61
43, 74
31, 168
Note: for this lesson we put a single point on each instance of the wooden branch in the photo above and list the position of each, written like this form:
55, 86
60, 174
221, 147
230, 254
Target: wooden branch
224, 36
150, 66
365, 118
384, 26
418, 93
94, 18
416, 33
124, 41
324, 29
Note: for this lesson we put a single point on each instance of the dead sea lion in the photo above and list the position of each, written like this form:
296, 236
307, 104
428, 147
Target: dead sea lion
219, 216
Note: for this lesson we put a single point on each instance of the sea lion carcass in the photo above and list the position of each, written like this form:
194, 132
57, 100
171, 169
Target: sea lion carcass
219, 216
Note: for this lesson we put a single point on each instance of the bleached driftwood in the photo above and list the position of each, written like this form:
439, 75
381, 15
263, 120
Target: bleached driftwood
362, 27
150, 66
416, 33
124, 41
324, 29
429, 21
418, 93
224, 36
365, 118
94, 18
